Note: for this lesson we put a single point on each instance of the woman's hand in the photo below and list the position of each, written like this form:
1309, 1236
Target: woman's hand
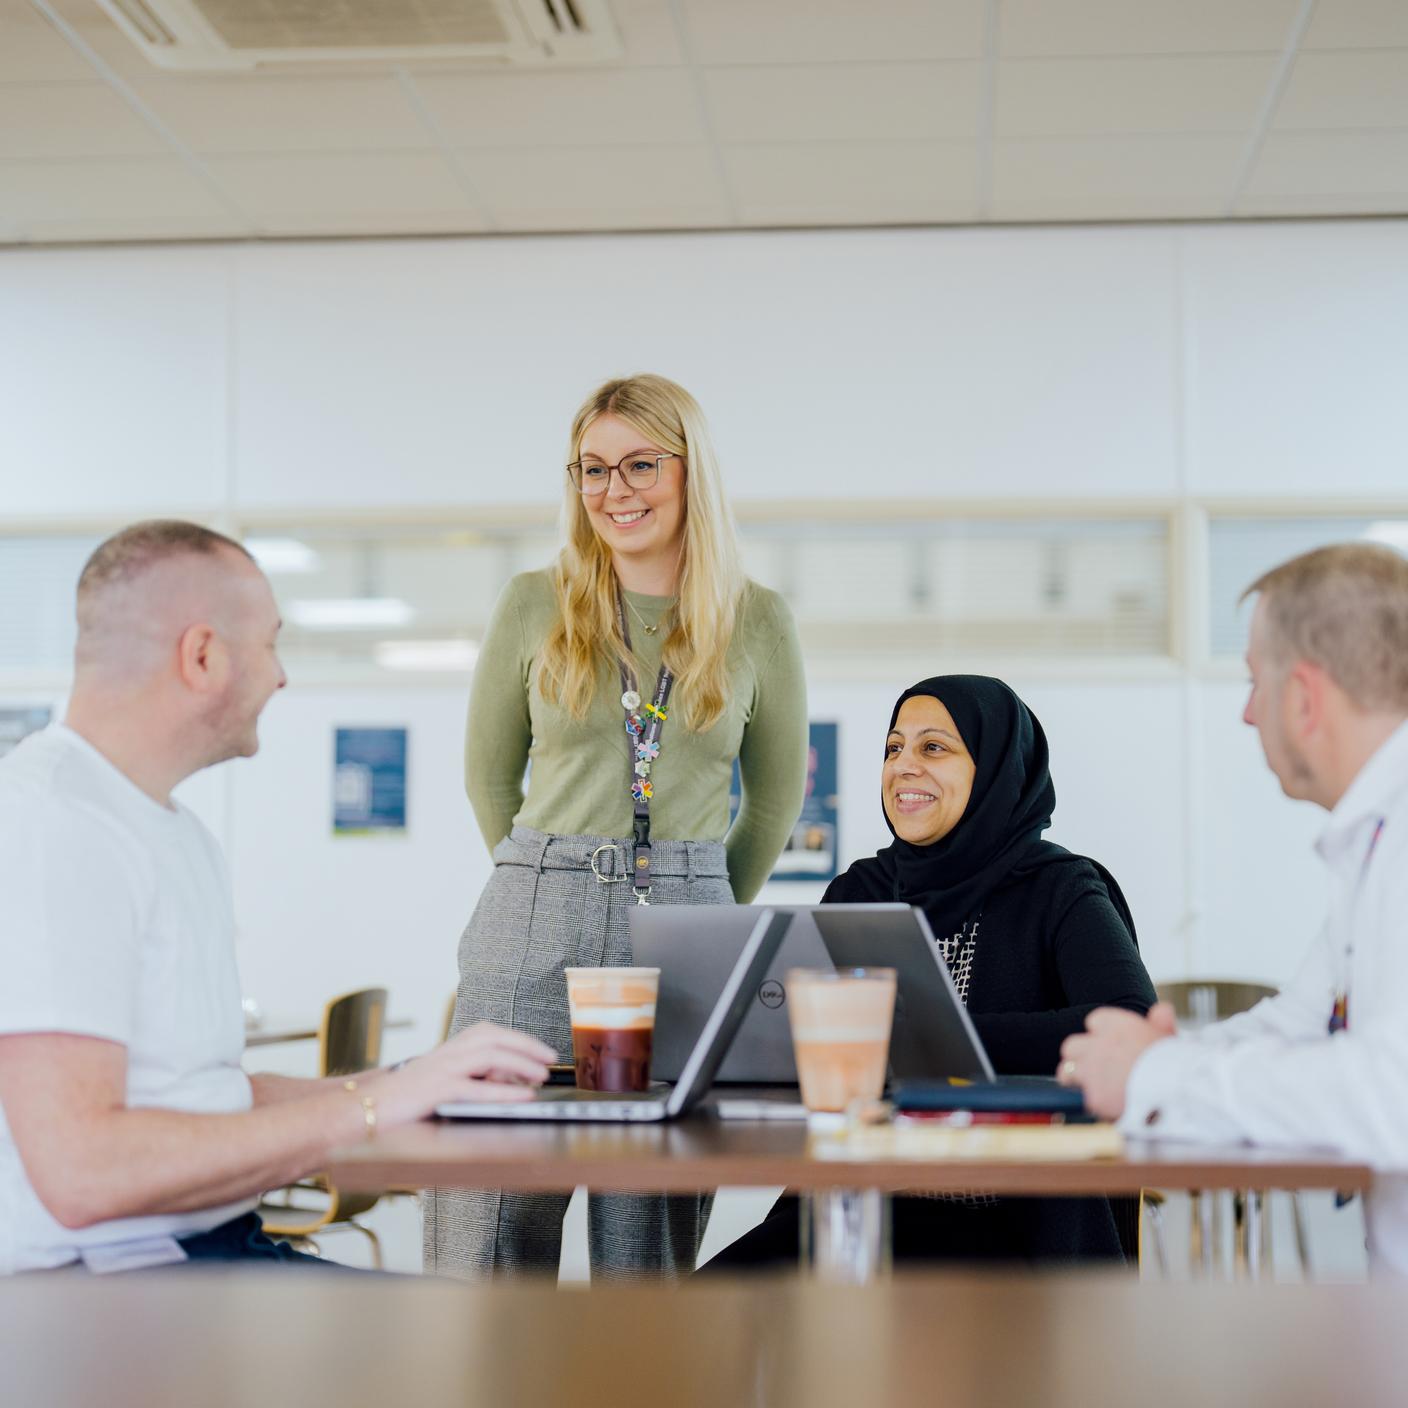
484, 1063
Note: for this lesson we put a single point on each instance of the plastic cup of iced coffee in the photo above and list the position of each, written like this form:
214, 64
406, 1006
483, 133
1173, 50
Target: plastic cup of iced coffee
840, 1033
613, 1025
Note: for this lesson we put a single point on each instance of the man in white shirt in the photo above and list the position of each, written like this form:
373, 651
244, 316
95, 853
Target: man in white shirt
129, 1135
1326, 1061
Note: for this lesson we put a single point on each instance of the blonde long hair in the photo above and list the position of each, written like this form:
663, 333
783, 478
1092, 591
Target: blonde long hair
711, 582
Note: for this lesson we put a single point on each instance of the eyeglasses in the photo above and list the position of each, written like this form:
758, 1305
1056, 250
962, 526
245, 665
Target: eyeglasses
637, 471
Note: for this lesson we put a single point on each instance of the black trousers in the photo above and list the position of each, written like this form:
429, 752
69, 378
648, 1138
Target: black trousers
1013, 1231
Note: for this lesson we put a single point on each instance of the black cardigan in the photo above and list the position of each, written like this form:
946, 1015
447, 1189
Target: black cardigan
1050, 948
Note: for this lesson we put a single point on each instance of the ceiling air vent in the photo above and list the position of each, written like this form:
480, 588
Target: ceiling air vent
207, 35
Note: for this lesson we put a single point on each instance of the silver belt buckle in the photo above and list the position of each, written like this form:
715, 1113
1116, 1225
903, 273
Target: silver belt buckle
610, 879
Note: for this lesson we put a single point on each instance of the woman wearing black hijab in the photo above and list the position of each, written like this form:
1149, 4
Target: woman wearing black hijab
1034, 937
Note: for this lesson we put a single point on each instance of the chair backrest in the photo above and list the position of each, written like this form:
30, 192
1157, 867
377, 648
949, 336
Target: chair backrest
1203, 1000
350, 1037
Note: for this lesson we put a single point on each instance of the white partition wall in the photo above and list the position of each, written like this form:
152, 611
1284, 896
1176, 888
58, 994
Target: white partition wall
1157, 369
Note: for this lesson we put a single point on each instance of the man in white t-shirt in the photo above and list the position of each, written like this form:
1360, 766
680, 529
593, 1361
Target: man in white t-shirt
1325, 1062
129, 1134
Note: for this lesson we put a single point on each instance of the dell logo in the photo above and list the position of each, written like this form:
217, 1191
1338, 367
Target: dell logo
771, 994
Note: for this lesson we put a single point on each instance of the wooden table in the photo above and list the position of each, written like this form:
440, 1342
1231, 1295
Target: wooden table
169, 1339
846, 1199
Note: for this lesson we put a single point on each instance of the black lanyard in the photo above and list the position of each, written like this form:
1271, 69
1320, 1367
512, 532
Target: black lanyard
643, 725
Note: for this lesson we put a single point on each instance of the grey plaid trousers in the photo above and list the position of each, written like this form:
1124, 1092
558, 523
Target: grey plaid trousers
544, 910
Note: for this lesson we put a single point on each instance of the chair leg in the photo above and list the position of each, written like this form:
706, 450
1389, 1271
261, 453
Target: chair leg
1302, 1241
1221, 1209
371, 1237
1155, 1221
1241, 1259
1205, 1228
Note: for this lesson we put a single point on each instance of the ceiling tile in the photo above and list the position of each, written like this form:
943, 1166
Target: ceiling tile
154, 190
101, 34
148, 229
1357, 24
1108, 97
71, 120
599, 188
340, 183
1346, 90
1331, 164
250, 113
1114, 177
1290, 206
648, 33
828, 31
853, 183
845, 102
1031, 28
307, 224
33, 51
577, 108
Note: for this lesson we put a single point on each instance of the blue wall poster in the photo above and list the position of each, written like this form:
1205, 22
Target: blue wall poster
811, 849
369, 781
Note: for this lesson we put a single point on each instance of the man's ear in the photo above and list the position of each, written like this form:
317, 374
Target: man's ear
1306, 690
202, 659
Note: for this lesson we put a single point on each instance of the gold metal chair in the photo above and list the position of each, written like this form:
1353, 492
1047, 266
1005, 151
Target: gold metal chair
1197, 1002
349, 1040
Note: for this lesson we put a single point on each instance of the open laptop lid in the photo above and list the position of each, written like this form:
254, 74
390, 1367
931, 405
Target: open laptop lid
695, 947
933, 1036
729, 1011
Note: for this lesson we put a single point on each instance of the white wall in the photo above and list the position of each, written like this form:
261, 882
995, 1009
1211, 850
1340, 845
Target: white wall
1142, 363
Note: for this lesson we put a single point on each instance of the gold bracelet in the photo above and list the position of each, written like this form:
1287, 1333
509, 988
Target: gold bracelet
368, 1103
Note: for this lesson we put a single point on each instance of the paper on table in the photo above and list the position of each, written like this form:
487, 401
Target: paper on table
1018, 1143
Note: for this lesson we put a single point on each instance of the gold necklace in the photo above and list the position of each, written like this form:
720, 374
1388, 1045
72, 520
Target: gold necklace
644, 624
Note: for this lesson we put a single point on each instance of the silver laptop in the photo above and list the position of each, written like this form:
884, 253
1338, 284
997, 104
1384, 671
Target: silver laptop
695, 947
707, 1054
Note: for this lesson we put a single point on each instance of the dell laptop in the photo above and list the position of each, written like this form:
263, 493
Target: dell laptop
706, 1055
696, 947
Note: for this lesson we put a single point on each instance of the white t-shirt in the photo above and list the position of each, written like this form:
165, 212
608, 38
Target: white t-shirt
115, 921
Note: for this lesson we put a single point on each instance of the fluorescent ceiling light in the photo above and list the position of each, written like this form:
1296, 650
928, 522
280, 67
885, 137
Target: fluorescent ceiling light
350, 613
456, 656
1393, 532
282, 555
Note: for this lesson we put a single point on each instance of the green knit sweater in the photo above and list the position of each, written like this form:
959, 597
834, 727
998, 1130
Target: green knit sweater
579, 782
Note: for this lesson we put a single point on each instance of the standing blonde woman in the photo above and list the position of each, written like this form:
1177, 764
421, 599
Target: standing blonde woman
630, 675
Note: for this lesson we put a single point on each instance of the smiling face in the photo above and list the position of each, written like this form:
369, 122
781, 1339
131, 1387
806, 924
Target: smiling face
643, 525
253, 671
928, 773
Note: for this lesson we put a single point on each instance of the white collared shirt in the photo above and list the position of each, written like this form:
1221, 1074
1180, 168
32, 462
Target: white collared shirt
1275, 1075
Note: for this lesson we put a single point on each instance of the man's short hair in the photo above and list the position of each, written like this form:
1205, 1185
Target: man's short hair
1344, 608
126, 555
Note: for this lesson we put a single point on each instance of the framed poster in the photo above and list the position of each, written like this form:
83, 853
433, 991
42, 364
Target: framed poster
812, 849
17, 723
369, 781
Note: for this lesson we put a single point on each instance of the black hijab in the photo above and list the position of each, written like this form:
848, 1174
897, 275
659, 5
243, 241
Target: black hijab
998, 837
